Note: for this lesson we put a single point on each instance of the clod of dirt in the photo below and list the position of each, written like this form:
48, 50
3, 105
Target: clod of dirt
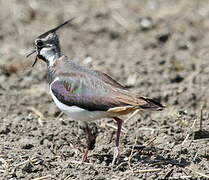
177, 79
182, 45
28, 168
5, 130
146, 23
26, 143
27, 146
163, 38
201, 134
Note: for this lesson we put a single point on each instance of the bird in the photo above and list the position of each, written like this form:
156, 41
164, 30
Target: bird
84, 94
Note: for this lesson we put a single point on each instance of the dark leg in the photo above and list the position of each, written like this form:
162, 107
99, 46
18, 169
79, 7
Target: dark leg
91, 134
117, 140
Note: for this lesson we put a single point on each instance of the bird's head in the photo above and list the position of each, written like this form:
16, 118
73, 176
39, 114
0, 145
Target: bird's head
47, 46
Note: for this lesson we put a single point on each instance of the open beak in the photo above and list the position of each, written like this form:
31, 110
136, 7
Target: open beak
30, 53
35, 59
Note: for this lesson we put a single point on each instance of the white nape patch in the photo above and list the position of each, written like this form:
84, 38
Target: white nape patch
77, 113
49, 55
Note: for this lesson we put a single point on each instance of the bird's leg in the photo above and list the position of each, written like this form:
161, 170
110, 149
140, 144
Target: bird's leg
117, 140
91, 134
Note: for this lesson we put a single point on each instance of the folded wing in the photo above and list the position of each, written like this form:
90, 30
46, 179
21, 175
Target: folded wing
94, 94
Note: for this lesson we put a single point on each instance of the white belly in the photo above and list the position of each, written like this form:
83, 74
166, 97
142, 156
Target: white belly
77, 113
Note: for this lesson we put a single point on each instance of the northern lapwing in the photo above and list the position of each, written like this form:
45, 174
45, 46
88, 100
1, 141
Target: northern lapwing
85, 94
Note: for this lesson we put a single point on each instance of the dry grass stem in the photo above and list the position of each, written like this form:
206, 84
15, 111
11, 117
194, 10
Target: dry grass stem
122, 21
76, 151
59, 116
185, 177
200, 120
26, 161
147, 170
123, 130
201, 115
131, 155
40, 122
80, 162
131, 80
187, 136
147, 129
36, 111
121, 164
132, 115
197, 172
149, 142
43, 177
201, 140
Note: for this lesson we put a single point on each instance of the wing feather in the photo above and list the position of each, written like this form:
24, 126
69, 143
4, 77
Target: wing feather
76, 93
109, 80
95, 94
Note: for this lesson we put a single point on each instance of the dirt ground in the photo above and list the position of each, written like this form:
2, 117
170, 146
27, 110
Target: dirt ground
159, 48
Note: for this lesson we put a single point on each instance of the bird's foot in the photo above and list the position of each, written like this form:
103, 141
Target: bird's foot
115, 155
85, 156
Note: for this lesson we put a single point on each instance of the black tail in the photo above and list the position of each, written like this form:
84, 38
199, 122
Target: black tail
151, 104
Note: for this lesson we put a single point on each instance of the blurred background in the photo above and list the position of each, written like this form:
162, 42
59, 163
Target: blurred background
159, 48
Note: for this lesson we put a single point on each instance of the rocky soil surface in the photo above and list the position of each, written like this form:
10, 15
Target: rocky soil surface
159, 48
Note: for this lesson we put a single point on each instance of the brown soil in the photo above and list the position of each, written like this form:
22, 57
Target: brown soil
159, 48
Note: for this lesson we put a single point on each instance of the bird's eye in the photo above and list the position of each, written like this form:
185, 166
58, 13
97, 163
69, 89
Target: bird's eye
39, 43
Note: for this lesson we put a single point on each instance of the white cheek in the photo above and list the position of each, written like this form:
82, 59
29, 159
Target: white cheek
49, 55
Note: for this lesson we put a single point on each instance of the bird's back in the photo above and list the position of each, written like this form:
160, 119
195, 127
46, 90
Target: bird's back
96, 90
